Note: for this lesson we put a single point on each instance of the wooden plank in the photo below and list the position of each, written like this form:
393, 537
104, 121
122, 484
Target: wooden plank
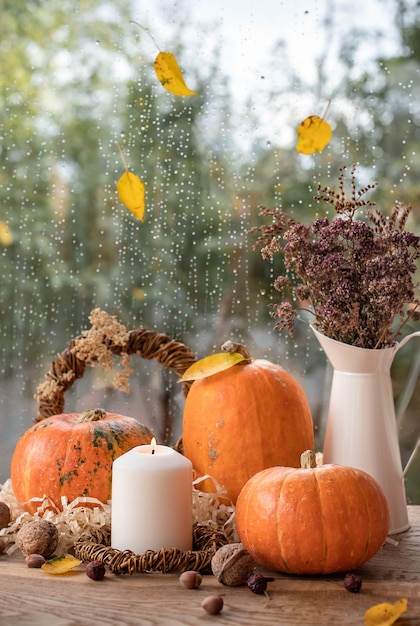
31, 597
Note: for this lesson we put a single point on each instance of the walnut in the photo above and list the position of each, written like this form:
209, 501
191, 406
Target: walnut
38, 537
4, 515
232, 564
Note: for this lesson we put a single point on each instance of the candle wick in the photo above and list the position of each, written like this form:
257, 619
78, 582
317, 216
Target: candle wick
153, 451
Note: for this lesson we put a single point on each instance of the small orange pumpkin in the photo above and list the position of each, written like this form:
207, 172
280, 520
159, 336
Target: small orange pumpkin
241, 420
312, 520
71, 455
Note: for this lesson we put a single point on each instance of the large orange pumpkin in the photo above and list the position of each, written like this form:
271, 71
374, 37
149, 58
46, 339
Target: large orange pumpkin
71, 455
242, 420
312, 520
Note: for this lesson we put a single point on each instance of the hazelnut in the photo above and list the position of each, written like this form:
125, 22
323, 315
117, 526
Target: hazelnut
35, 560
190, 579
38, 537
232, 565
4, 515
95, 570
212, 604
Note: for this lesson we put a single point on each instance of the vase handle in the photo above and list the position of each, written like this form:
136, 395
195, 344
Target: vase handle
407, 338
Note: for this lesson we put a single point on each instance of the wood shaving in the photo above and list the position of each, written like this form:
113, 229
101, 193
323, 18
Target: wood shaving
77, 517
209, 508
392, 541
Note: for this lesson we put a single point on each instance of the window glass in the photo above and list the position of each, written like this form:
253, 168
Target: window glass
78, 88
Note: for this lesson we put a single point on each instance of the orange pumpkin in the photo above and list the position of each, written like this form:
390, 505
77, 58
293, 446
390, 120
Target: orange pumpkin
242, 420
71, 455
312, 520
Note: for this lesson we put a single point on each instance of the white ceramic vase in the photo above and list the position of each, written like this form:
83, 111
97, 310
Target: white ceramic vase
361, 427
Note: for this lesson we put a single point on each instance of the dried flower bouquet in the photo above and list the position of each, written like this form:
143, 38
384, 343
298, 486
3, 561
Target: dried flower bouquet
356, 276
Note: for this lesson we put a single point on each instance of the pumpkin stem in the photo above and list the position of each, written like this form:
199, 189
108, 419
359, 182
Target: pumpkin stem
308, 459
232, 347
92, 415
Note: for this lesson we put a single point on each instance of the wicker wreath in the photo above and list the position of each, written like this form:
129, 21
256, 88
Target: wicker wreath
94, 545
148, 344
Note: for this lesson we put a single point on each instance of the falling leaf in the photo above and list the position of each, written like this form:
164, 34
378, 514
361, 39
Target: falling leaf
385, 614
6, 237
212, 364
314, 134
138, 293
60, 564
131, 193
170, 76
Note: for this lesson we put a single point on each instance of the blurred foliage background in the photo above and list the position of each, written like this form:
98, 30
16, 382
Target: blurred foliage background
74, 81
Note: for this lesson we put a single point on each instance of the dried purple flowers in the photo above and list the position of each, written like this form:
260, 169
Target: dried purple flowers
355, 276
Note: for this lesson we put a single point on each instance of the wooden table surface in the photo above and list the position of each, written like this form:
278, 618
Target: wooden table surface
30, 597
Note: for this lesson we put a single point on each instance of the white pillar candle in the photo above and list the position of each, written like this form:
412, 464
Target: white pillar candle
151, 505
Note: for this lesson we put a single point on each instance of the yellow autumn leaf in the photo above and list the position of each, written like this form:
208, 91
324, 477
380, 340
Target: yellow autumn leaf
314, 134
131, 193
385, 614
60, 564
138, 293
6, 237
170, 75
210, 365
